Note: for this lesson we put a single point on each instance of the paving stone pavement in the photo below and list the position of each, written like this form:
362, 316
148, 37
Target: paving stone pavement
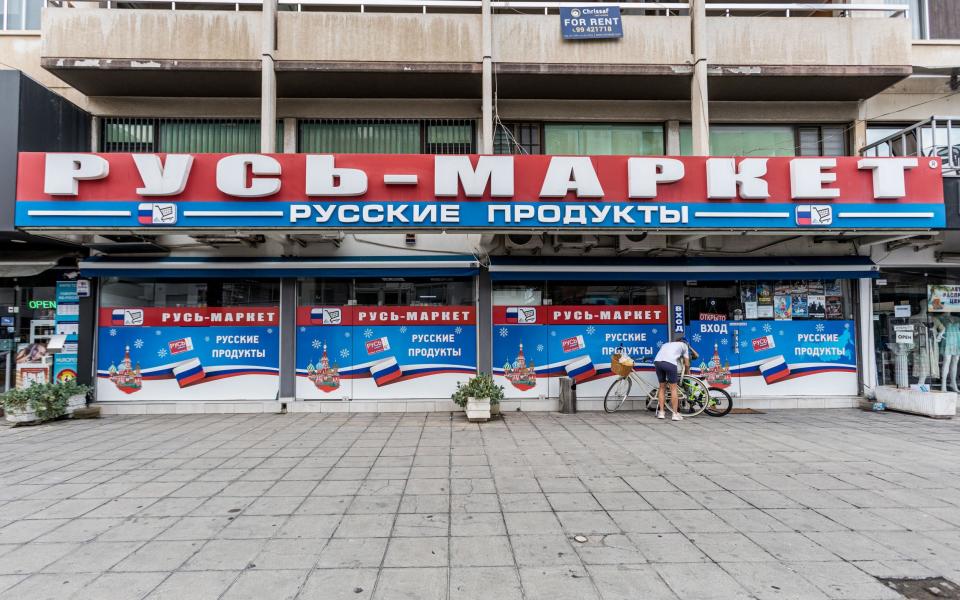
791, 504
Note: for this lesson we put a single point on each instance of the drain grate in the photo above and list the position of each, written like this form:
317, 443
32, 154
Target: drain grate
931, 588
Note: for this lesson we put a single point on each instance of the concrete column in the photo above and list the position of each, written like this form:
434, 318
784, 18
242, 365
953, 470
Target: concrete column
484, 322
268, 78
95, 124
673, 138
859, 131
699, 95
290, 136
486, 125
87, 335
868, 362
288, 339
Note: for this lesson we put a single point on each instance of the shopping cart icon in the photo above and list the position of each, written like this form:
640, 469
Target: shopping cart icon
812, 215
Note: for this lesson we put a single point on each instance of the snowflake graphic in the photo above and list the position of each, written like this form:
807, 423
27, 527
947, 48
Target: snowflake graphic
403, 329
158, 332
539, 347
113, 333
504, 332
270, 330
696, 338
743, 344
780, 332
553, 334
458, 330
724, 341
659, 343
138, 343
846, 325
303, 329
753, 329
820, 327
767, 328
206, 338
161, 352
344, 353
368, 333
654, 330
316, 344
591, 330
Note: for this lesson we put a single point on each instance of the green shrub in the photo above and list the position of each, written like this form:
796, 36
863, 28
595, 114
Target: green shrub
48, 400
481, 386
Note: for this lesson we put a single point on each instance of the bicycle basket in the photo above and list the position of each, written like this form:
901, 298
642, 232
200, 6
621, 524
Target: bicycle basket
619, 369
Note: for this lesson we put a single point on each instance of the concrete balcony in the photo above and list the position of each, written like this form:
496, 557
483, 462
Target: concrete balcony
126, 52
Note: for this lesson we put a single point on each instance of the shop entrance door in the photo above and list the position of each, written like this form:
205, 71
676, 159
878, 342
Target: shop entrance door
717, 342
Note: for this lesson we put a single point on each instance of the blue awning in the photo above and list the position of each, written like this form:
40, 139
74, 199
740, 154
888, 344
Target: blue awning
441, 265
510, 268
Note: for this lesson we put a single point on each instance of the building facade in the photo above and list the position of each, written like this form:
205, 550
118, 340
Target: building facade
281, 219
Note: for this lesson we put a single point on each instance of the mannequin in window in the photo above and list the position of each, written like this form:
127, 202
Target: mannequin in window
926, 357
951, 352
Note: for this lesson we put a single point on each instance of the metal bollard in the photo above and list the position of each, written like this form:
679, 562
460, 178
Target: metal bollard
568, 396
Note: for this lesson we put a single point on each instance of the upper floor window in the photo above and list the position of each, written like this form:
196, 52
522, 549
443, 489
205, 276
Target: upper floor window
602, 139
20, 15
770, 140
933, 19
518, 138
387, 136
122, 134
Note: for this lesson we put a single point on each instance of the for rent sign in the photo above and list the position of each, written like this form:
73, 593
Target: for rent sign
494, 193
590, 22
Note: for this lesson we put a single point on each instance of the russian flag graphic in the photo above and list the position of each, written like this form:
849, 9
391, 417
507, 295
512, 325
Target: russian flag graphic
803, 215
512, 312
116, 317
316, 316
189, 372
775, 369
580, 368
145, 214
385, 371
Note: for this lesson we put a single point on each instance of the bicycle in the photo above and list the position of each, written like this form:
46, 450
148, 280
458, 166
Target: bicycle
693, 394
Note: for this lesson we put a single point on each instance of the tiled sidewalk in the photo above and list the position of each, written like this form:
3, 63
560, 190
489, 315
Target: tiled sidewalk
792, 504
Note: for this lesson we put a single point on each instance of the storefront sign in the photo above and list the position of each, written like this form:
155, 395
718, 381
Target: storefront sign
371, 192
147, 353
383, 353
904, 337
678, 319
901, 311
573, 341
83, 288
42, 304
590, 22
67, 323
943, 298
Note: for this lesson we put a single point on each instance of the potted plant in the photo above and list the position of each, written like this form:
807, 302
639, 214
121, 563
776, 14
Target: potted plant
43, 401
478, 396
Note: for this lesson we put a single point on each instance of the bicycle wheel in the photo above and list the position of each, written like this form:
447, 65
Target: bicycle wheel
653, 399
720, 402
616, 394
694, 396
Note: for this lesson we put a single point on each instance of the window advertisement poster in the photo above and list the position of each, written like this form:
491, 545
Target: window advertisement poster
576, 342
384, 353
777, 358
943, 298
67, 323
154, 353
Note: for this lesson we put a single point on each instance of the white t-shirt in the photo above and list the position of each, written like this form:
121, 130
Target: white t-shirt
671, 352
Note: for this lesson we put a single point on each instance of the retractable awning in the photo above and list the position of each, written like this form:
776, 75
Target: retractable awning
509, 268
440, 265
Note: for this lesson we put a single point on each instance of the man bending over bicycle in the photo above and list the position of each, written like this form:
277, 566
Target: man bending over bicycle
668, 361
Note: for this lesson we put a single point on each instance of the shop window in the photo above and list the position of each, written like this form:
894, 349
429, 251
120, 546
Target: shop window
509, 294
414, 292
122, 134
916, 329
518, 138
606, 294
118, 292
603, 139
786, 300
324, 292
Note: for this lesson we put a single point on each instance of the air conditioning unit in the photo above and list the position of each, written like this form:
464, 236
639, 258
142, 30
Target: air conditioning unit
633, 241
575, 242
517, 241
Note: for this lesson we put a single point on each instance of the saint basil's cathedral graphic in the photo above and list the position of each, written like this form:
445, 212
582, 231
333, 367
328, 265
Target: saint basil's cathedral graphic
127, 378
324, 376
520, 375
716, 373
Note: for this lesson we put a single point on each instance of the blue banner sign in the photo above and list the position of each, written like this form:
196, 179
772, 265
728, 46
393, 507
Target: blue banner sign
591, 22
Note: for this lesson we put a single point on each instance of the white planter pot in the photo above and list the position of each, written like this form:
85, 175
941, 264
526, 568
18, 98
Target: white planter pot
75, 402
21, 416
478, 409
